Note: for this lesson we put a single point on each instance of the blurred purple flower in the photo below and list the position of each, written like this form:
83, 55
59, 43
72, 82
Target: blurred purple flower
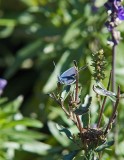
93, 6
115, 12
3, 83
120, 13
116, 8
119, 9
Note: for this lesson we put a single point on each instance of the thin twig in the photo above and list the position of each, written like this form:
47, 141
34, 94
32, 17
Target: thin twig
64, 109
76, 101
71, 112
79, 124
114, 112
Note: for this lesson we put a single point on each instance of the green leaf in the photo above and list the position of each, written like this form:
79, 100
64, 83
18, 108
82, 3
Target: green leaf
71, 155
12, 145
32, 146
65, 130
3, 100
84, 108
29, 51
13, 106
99, 3
120, 148
55, 132
105, 145
4, 114
72, 32
7, 31
86, 115
102, 91
23, 135
65, 92
24, 122
86, 119
36, 147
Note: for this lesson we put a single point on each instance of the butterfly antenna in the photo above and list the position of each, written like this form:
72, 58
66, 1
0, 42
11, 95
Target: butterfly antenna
75, 63
54, 64
84, 67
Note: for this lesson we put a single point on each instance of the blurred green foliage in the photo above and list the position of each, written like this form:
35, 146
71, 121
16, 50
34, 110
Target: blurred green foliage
33, 34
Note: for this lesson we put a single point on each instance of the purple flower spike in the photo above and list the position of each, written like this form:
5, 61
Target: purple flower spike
121, 13
3, 83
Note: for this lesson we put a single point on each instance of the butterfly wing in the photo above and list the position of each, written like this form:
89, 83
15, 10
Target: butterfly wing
68, 77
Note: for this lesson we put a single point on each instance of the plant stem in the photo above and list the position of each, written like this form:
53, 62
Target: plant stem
113, 67
113, 85
76, 98
103, 104
114, 112
89, 155
113, 60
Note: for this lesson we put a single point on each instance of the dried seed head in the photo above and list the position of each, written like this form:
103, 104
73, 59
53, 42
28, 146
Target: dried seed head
98, 62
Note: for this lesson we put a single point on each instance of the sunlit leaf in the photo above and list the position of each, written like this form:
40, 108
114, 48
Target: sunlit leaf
72, 32
57, 135
84, 108
6, 32
23, 135
85, 117
6, 114
65, 92
65, 130
101, 91
120, 148
36, 147
25, 122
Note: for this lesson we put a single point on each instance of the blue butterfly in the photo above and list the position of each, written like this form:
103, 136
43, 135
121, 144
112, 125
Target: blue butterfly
68, 77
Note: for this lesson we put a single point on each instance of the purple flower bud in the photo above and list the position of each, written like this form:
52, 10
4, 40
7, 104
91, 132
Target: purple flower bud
107, 5
109, 26
3, 83
121, 13
93, 7
119, 9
